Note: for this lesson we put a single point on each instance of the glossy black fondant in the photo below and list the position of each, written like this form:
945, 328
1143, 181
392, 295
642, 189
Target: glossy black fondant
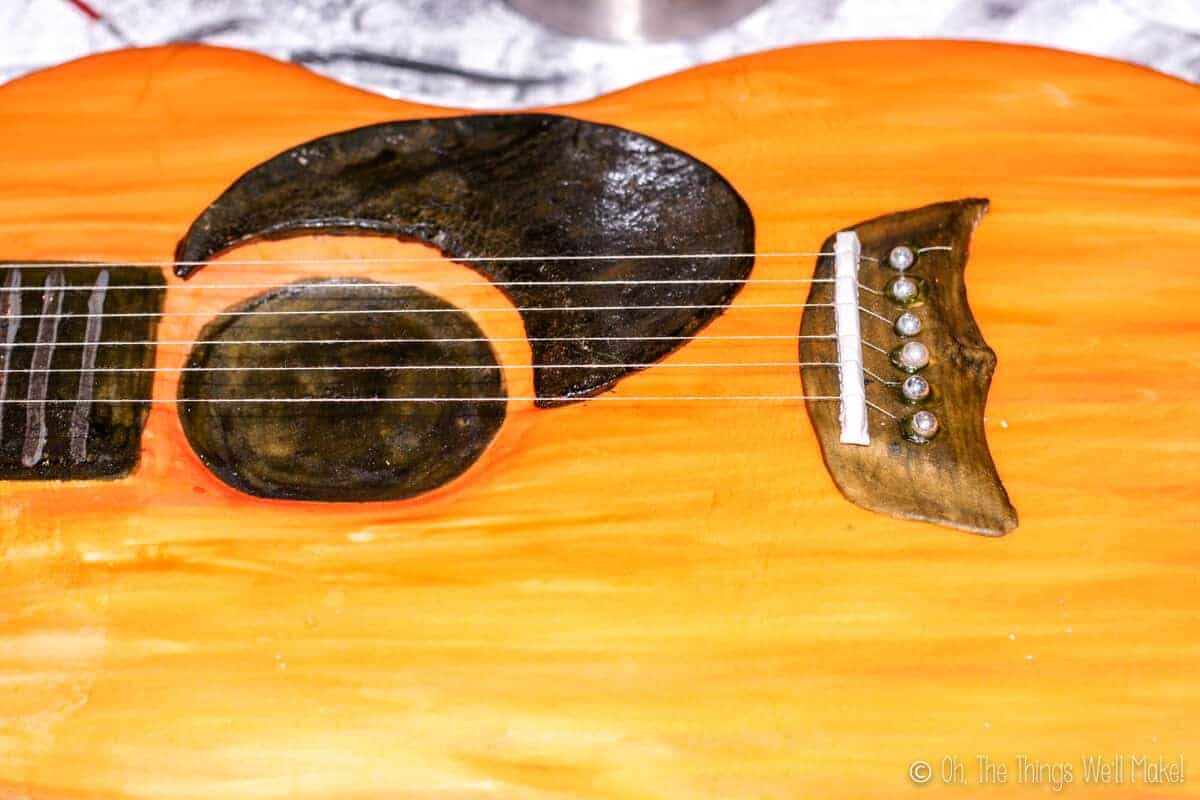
520, 185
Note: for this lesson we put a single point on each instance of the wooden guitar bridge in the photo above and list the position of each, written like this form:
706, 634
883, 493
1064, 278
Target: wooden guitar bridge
907, 436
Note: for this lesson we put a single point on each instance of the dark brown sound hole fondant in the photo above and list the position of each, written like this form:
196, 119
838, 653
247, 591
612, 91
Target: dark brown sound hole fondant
354, 414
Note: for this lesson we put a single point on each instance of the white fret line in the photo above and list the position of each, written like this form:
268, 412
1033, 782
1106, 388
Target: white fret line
81, 416
39, 382
12, 311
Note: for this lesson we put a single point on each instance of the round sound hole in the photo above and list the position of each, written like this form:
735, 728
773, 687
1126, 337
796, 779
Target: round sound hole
341, 391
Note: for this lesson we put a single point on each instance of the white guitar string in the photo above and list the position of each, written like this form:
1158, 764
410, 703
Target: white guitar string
871, 313
438, 259
748, 398
736, 398
421, 259
421, 367
458, 340
482, 282
431, 310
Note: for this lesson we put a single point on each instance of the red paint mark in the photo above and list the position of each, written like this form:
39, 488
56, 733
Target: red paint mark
95, 16
90, 12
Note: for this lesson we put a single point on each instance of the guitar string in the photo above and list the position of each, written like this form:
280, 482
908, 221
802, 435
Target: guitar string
419, 339
482, 283
368, 286
436, 310
883, 381
409, 367
351, 368
442, 258
459, 340
733, 398
418, 283
336, 368
749, 398
427, 310
533, 309
486, 309
628, 398
440, 340
514, 398
346, 368
438, 260
451, 367
421, 259
871, 313
432, 367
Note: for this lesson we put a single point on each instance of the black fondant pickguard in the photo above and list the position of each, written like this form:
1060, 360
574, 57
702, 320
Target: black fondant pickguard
379, 448
520, 185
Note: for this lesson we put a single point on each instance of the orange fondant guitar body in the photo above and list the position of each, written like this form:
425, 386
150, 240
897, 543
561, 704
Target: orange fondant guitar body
613, 596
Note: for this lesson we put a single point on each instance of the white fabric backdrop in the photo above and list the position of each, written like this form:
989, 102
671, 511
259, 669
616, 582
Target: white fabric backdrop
481, 54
